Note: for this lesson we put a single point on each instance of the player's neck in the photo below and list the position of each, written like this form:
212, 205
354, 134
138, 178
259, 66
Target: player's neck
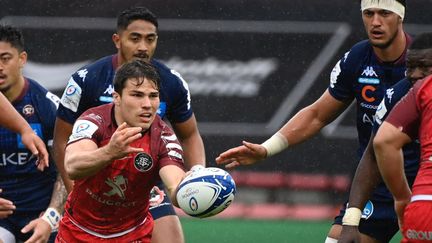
394, 51
15, 90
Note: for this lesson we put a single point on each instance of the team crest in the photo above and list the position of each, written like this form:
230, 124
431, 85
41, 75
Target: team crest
28, 110
143, 162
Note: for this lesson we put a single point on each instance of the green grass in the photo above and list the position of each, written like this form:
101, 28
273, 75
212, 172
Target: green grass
251, 231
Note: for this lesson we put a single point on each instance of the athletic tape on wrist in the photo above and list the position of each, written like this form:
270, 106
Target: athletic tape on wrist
352, 217
275, 144
52, 217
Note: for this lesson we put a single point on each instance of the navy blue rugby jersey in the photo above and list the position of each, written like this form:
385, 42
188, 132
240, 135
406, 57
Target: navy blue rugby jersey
19, 178
411, 151
360, 75
92, 86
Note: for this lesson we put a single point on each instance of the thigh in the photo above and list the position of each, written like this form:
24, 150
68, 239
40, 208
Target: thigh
6, 236
417, 224
167, 230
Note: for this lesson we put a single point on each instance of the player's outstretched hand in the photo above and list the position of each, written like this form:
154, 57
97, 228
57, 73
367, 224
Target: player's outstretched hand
37, 147
247, 154
119, 144
349, 234
41, 231
6, 207
400, 209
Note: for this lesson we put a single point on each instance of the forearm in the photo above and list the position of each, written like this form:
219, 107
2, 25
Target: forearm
171, 176
81, 164
194, 152
59, 195
11, 119
58, 155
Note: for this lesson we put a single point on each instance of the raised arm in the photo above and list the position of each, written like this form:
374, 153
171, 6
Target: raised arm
305, 124
84, 158
12, 120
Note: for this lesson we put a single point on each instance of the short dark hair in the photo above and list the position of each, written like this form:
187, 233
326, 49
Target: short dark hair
135, 13
422, 41
136, 69
13, 36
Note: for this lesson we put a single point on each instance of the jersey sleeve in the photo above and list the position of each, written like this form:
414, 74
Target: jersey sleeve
170, 150
341, 78
180, 109
72, 100
405, 115
86, 127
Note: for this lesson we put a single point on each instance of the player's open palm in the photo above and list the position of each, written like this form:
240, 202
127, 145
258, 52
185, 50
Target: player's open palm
248, 153
41, 231
6, 207
119, 144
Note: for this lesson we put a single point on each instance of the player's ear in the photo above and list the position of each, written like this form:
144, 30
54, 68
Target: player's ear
116, 97
116, 40
22, 59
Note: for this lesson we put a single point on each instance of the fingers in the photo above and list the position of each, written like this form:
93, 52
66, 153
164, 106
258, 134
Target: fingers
30, 226
41, 231
232, 165
6, 208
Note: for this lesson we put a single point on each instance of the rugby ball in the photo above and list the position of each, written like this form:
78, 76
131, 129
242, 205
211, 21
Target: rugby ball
206, 192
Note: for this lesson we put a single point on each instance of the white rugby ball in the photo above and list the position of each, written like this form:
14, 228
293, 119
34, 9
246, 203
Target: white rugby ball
206, 192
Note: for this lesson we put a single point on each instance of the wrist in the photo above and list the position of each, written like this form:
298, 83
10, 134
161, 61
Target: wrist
352, 217
52, 217
275, 144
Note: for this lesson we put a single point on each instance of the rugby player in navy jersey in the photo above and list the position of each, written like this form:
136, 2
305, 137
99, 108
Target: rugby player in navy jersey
26, 192
92, 85
363, 74
419, 65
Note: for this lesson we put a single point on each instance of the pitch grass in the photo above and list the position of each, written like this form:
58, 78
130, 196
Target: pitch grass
256, 231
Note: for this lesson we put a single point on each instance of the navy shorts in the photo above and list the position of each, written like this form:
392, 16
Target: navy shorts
378, 221
165, 208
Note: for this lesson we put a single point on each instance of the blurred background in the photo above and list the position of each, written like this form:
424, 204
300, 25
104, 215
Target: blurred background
250, 66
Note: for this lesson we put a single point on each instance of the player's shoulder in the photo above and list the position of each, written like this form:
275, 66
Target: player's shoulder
95, 70
41, 94
358, 51
166, 74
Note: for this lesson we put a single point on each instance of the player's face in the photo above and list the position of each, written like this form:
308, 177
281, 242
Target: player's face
382, 26
138, 41
138, 104
11, 63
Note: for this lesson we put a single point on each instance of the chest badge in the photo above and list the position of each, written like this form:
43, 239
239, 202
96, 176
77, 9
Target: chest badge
143, 162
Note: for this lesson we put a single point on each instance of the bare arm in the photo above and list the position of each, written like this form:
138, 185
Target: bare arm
191, 141
366, 178
305, 124
84, 158
388, 145
171, 176
12, 120
62, 131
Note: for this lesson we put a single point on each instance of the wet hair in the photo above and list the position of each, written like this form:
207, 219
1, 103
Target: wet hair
135, 13
136, 69
13, 36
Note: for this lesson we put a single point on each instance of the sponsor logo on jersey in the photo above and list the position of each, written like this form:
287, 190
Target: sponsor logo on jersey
118, 186
381, 112
334, 74
82, 74
106, 99
425, 236
368, 80
99, 199
20, 158
143, 162
82, 129
37, 128
369, 72
367, 93
389, 93
28, 110
368, 210
162, 109
71, 96
54, 99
